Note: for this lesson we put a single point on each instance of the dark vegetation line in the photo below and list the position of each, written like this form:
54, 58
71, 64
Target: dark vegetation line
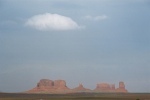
84, 96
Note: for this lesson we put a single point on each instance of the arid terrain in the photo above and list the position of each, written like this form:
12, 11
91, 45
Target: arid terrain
76, 96
57, 90
60, 87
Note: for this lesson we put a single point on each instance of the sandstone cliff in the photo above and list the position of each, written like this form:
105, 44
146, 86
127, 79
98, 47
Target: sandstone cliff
49, 86
121, 87
60, 87
105, 87
81, 88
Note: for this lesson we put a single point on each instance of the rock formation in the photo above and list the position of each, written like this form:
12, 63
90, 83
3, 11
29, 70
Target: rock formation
60, 84
121, 87
81, 88
49, 86
45, 83
105, 87
59, 87
113, 86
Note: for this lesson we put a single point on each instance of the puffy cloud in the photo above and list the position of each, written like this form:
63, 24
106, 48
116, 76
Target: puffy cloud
96, 18
48, 21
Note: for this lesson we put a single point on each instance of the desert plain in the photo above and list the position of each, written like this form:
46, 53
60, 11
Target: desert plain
76, 96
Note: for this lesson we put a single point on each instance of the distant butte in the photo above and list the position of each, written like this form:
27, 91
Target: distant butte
59, 87
80, 88
105, 87
49, 86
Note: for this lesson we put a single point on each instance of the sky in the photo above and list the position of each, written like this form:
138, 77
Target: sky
79, 41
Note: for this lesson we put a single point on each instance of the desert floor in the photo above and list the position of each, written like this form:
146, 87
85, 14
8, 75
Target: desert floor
79, 96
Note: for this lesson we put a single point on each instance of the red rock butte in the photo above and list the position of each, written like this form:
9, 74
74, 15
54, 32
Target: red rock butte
59, 87
105, 87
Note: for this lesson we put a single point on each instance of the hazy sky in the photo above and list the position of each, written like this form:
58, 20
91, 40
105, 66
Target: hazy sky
80, 41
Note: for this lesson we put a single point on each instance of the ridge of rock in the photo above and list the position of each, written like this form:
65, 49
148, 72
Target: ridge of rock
60, 87
81, 88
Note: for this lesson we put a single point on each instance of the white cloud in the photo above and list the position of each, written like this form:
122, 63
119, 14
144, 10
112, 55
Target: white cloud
48, 21
96, 18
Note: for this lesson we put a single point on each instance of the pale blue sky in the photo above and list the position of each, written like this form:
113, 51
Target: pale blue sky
106, 41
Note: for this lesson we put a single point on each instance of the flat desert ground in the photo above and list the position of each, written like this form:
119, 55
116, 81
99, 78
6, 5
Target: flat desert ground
81, 96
